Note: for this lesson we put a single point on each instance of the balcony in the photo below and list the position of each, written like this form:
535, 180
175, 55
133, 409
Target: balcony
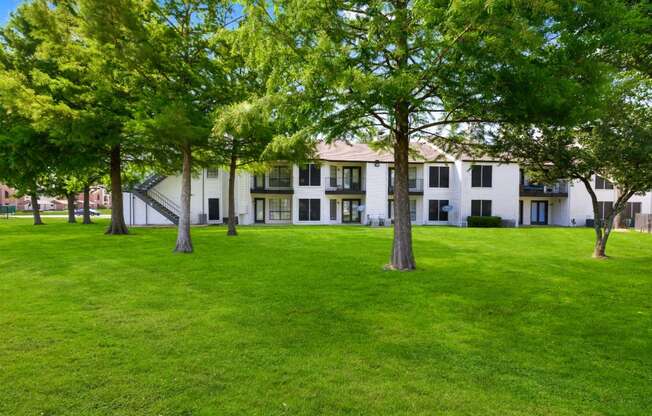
559, 189
339, 186
273, 186
415, 187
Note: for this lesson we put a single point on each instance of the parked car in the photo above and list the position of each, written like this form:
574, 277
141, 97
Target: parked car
80, 211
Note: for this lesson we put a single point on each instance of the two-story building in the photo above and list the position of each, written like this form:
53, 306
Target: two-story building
354, 184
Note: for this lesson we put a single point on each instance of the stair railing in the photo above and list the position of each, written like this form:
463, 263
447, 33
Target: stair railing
166, 202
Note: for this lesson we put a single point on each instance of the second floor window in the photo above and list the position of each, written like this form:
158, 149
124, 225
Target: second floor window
212, 173
309, 175
481, 176
604, 209
279, 177
602, 183
439, 176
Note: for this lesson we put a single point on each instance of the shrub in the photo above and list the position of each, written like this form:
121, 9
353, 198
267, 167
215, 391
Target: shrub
484, 221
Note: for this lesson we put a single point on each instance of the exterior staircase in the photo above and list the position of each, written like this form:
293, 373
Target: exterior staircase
162, 204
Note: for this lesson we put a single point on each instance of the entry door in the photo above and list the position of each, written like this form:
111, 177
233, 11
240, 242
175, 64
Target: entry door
350, 213
351, 178
213, 209
259, 209
539, 213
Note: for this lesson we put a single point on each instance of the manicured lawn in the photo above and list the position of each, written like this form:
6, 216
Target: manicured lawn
303, 321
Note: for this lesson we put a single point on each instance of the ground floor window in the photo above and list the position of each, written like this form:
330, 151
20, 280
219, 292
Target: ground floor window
333, 209
481, 208
309, 209
413, 209
629, 214
279, 209
436, 210
604, 209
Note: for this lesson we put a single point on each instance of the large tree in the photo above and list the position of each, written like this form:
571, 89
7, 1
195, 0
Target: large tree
59, 77
175, 54
421, 69
616, 145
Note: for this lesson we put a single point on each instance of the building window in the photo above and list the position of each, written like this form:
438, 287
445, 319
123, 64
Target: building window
413, 209
212, 173
439, 176
213, 209
279, 209
436, 210
279, 177
309, 175
309, 209
602, 183
604, 209
481, 176
480, 208
333, 204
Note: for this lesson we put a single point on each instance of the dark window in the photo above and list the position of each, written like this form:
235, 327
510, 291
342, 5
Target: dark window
439, 176
279, 177
212, 173
481, 176
436, 210
213, 209
333, 209
390, 208
602, 183
481, 208
279, 209
413, 209
309, 209
259, 181
629, 214
309, 175
604, 209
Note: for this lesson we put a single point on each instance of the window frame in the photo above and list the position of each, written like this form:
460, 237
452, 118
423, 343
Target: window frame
310, 175
442, 216
276, 180
280, 211
483, 203
439, 182
212, 173
311, 202
482, 176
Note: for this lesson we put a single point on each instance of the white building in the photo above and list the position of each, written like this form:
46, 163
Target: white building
353, 184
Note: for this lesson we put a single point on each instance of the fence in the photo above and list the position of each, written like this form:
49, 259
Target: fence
5, 211
643, 223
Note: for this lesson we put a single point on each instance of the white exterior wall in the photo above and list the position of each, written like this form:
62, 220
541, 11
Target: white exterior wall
504, 194
452, 194
504, 190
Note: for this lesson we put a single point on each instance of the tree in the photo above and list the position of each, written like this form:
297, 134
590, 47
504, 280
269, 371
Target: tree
174, 52
59, 78
616, 145
422, 69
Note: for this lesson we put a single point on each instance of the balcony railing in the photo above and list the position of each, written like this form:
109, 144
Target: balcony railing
414, 186
279, 185
341, 186
557, 189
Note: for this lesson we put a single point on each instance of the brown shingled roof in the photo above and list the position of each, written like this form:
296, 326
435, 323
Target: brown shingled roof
340, 151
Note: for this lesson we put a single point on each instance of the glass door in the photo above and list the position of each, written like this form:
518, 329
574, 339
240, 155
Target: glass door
259, 209
350, 211
539, 213
351, 178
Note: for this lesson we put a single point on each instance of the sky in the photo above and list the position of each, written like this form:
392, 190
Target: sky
6, 7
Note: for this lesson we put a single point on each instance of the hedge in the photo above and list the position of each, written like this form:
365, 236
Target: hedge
484, 221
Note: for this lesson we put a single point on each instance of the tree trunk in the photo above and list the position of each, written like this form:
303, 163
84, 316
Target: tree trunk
87, 205
117, 225
232, 170
71, 208
184, 242
35, 210
402, 255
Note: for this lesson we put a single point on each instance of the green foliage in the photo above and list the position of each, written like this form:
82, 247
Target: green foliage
485, 222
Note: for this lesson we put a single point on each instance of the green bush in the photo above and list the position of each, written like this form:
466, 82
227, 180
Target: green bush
491, 222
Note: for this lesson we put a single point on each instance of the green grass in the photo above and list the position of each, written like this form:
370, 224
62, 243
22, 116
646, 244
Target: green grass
103, 211
303, 321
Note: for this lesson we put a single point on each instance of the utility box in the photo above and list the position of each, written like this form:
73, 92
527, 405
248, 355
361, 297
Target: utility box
203, 219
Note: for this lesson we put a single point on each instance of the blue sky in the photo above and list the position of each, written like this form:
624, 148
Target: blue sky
6, 7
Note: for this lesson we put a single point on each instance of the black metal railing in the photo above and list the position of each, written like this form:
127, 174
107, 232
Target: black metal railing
414, 185
272, 184
560, 187
334, 184
166, 202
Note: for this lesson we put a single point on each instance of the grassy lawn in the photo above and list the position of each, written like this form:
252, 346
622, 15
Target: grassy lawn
103, 211
303, 321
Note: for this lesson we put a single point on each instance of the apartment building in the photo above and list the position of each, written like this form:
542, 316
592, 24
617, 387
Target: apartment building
354, 184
